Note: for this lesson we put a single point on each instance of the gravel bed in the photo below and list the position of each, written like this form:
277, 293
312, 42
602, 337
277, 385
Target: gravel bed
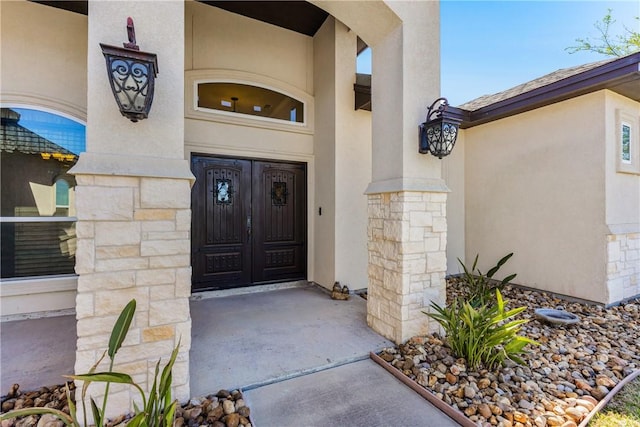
223, 409
562, 379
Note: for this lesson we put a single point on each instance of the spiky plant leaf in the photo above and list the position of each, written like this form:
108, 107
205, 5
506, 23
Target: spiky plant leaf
121, 327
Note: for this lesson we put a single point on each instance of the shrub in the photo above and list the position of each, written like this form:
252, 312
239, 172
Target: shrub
480, 288
483, 335
158, 409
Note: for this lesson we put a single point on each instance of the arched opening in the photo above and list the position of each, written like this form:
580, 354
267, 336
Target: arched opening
38, 224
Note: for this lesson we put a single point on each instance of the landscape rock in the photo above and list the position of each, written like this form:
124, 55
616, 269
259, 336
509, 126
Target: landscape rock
206, 411
562, 379
48, 420
232, 420
228, 407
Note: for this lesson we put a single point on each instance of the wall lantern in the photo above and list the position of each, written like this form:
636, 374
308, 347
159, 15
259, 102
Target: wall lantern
132, 76
439, 131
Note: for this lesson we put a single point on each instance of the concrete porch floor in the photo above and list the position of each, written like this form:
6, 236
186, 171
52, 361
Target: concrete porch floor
255, 339
288, 348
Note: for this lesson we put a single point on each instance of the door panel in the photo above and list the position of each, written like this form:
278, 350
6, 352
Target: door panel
279, 215
249, 222
221, 244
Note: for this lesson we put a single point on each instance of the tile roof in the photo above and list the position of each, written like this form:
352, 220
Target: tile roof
14, 137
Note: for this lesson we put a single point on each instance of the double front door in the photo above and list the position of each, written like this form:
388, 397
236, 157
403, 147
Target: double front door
249, 222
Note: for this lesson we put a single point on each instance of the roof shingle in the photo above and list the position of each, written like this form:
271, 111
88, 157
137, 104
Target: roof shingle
545, 80
14, 137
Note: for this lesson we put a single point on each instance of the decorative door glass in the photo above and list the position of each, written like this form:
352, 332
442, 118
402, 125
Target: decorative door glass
224, 191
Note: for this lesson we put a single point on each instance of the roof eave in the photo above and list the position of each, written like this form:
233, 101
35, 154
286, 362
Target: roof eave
607, 76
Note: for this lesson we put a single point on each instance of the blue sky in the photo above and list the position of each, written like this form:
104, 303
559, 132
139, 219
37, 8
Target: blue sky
67, 133
490, 46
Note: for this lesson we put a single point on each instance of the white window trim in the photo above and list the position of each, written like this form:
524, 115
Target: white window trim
38, 219
34, 297
193, 78
625, 118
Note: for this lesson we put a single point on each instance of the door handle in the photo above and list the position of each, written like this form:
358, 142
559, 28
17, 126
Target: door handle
248, 228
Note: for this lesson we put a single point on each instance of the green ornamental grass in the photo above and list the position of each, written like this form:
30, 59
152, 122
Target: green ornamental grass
479, 287
158, 407
485, 335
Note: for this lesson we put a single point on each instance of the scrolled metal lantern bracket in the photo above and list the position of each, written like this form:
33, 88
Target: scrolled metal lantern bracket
132, 76
439, 131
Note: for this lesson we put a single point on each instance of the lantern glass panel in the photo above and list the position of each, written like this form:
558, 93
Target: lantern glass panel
130, 81
441, 137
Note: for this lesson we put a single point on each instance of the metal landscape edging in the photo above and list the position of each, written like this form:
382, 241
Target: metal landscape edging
455, 415
461, 419
626, 380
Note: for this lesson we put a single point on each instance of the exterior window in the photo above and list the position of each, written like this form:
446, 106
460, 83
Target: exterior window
625, 153
62, 196
250, 100
37, 149
627, 141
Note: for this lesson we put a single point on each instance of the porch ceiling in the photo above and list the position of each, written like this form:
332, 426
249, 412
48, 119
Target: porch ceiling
77, 6
299, 16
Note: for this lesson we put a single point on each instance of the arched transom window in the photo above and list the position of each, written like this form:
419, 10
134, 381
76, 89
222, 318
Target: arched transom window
249, 100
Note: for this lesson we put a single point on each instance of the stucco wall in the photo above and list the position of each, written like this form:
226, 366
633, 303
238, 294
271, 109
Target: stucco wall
342, 151
535, 186
43, 66
325, 152
162, 137
623, 189
217, 39
44, 57
353, 167
622, 201
453, 173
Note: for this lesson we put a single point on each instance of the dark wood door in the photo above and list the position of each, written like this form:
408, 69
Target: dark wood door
279, 218
249, 222
221, 207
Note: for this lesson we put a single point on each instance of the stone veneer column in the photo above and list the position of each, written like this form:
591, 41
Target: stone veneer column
133, 208
407, 261
407, 196
623, 266
133, 242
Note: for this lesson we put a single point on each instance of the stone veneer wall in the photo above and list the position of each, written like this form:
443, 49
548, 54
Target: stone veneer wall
133, 242
623, 266
407, 261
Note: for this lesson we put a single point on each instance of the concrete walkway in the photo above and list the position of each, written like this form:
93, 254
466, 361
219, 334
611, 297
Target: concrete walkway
300, 357
36, 352
360, 394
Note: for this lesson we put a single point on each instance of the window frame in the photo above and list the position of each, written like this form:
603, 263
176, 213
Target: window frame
625, 118
68, 204
40, 219
193, 111
250, 116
